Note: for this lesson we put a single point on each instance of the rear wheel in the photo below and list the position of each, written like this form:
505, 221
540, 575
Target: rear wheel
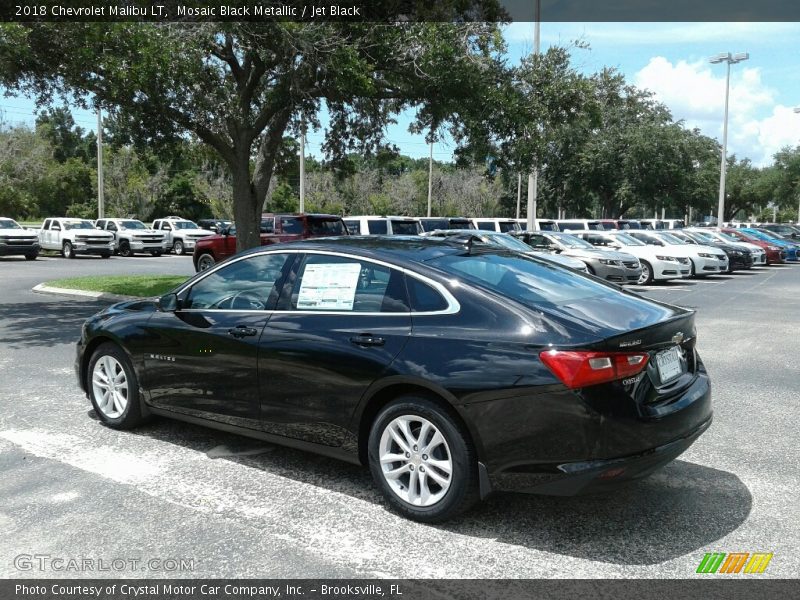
31, 256
422, 460
125, 249
206, 261
67, 251
179, 247
646, 278
113, 387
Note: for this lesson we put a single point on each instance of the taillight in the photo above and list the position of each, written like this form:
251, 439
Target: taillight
577, 369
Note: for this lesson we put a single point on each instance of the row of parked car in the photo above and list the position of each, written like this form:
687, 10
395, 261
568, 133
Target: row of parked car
623, 256
623, 251
103, 237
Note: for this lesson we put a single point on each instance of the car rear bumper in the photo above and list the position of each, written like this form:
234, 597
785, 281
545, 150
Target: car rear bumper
571, 479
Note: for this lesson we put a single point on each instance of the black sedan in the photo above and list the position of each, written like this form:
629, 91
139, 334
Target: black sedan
452, 370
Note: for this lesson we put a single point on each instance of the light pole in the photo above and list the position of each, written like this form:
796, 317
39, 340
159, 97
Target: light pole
797, 111
533, 178
729, 59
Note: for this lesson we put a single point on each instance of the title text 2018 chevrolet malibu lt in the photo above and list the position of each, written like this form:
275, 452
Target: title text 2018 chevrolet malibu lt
452, 370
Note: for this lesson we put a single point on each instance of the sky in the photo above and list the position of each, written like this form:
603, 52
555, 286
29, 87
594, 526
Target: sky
670, 59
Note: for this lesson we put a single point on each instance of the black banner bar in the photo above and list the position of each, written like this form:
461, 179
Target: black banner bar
722, 587
400, 10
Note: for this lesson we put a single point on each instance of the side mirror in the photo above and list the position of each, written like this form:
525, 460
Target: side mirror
168, 303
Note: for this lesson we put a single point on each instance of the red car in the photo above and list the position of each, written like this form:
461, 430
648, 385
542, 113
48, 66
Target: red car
775, 255
275, 228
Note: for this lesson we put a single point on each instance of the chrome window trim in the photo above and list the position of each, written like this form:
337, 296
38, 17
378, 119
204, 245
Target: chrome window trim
453, 306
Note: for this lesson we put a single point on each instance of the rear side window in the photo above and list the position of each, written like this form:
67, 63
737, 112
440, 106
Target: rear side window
508, 226
354, 227
528, 281
377, 226
319, 226
484, 226
405, 227
423, 297
343, 284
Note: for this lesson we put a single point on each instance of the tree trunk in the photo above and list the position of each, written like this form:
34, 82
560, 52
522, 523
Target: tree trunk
246, 208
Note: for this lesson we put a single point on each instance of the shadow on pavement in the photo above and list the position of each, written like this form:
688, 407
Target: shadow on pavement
46, 323
677, 511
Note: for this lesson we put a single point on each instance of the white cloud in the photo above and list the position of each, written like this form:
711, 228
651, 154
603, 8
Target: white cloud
695, 92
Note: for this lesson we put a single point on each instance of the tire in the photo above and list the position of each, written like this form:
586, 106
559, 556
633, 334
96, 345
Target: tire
125, 249
646, 278
156, 253
31, 256
67, 251
206, 261
590, 269
120, 408
179, 248
106, 255
458, 490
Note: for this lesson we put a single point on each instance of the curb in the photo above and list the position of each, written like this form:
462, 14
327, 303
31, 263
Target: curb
45, 289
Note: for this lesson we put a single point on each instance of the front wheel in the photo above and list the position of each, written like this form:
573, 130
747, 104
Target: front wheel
125, 249
156, 252
646, 278
31, 256
113, 387
422, 460
67, 251
179, 248
206, 261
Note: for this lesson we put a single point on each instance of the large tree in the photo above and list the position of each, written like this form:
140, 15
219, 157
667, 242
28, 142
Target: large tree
241, 87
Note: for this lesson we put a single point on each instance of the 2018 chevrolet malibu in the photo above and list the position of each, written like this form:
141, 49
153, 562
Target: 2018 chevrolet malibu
452, 370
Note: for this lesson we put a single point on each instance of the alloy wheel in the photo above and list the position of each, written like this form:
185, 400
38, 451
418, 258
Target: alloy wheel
645, 276
110, 387
415, 460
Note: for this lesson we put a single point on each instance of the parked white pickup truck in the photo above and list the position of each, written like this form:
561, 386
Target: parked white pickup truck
14, 239
181, 233
75, 236
131, 236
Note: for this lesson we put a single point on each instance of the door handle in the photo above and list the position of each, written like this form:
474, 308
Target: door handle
367, 339
241, 331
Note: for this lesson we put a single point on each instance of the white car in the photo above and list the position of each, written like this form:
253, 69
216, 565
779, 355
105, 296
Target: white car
75, 236
181, 234
132, 236
657, 264
496, 224
15, 239
759, 254
367, 225
705, 260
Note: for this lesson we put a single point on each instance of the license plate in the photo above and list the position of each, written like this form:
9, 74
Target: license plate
669, 364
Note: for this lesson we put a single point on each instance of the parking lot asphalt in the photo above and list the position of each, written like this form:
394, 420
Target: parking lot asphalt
72, 488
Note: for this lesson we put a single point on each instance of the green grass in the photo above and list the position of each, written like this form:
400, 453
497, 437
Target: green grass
126, 285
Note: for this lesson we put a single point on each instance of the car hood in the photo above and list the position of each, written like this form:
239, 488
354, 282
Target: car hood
590, 254
143, 231
564, 261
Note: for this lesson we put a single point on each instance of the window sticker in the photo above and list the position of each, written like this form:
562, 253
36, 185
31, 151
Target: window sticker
328, 286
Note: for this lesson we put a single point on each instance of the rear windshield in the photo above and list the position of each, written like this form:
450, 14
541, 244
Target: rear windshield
506, 226
528, 281
78, 225
458, 224
132, 225
184, 225
432, 224
548, 226
405, 227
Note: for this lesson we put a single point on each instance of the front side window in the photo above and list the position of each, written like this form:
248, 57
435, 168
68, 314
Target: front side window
343, 284
247, 284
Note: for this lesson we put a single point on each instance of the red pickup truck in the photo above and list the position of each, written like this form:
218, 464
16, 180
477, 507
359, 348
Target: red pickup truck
275, 228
